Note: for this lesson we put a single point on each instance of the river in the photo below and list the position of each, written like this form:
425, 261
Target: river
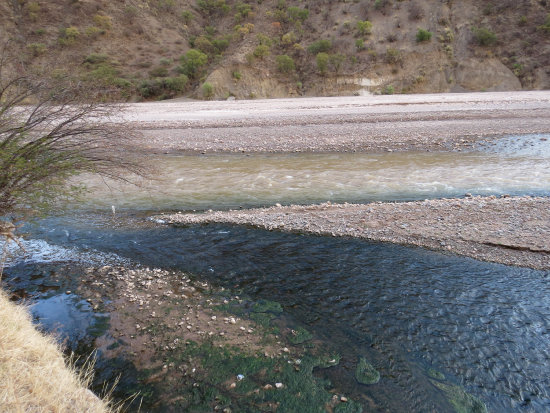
485, 327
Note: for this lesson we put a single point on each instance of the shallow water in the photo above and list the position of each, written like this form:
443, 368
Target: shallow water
233, 180
485, 326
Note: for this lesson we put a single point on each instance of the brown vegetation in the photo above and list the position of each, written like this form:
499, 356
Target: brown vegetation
34, 376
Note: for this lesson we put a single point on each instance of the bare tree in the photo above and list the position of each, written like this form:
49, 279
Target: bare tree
51, 130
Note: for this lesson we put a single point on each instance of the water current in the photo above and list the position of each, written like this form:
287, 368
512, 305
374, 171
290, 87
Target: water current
486, 327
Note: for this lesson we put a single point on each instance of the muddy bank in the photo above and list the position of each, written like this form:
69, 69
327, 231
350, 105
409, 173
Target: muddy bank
507, 230
361, 124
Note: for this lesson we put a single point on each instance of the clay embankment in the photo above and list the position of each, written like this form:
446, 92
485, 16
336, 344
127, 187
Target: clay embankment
513, 231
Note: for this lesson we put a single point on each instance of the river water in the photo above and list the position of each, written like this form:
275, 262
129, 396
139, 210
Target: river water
486, 327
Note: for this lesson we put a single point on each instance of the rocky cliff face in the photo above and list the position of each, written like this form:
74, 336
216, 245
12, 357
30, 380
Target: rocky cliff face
134, 47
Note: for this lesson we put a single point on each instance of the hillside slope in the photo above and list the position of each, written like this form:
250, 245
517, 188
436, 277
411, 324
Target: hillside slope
279, 48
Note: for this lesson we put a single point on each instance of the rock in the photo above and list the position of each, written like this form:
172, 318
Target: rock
343, 399
268, 387
279, 385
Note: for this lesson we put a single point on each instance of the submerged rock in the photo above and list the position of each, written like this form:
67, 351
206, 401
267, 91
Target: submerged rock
365, 372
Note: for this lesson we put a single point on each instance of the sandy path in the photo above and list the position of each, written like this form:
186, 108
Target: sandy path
368, 124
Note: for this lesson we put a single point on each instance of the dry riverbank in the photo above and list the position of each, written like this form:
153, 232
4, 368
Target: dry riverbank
34, 376
343, 124
512, 231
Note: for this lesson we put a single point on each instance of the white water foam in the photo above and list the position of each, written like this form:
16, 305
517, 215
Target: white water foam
40, 251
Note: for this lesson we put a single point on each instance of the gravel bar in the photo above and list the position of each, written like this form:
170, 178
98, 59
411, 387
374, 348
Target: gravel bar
436, 122
507, 230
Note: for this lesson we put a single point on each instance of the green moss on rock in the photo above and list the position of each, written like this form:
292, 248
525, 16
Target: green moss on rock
300, 335
460, 400
365, 373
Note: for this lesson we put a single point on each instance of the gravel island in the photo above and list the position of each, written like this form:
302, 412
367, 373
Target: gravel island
507, 230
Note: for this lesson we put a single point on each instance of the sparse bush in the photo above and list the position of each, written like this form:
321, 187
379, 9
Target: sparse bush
165, 5
92, 32
187, 16
103, 21
423, 35
297, 14
159, 71
176, 84
207, 90
33, 8
221, 43
213, 7
484, 36
336, 61
546, 26
388, 90
322, 60
261, 51
320, 46
243, 10
264, 39
36, 49
360, 44
522, 21
204, 45
96, 58
244, 29
285, 64
68, 35
192, 62
393, 56
288, 39
163, 87
236, 75
364, 27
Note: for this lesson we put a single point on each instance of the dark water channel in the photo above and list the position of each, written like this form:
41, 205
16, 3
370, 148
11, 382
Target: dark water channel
408, 310
485, 327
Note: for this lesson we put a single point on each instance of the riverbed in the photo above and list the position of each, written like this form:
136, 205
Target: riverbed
443, 332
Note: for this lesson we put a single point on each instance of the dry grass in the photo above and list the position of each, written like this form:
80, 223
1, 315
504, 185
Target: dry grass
34, 376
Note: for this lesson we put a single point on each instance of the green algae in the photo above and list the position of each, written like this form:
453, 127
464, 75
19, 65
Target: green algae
329, 360
255, 389
460, 400
349, 407
365, 372
266, 306
434, 374
300, 335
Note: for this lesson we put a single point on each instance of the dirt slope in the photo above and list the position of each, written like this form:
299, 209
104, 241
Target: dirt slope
134, 46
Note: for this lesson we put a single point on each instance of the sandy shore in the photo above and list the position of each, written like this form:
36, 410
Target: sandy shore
512, 231
366, 124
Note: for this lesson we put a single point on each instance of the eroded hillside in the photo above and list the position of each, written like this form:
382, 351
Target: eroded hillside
155, 49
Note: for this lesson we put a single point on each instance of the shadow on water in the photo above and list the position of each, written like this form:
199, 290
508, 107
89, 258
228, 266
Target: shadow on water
410, 311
